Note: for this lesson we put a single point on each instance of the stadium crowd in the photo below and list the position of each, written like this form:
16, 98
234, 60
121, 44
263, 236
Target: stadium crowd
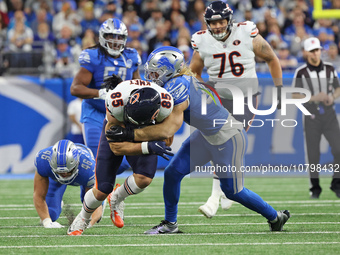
50, 34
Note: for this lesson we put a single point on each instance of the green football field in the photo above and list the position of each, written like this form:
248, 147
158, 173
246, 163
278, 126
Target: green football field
312, 229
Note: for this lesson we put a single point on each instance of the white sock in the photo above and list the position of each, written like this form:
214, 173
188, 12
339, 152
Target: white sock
90, 204
216, 188
128, 188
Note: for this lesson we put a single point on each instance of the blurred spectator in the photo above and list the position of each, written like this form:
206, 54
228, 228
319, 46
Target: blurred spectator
259, 9
14, 5
66, 17
58, 5
74, 112
333, 56
160, 38
136, 34
147, 8
325, 38
88, 42
66, 33
131, 17
131, 5
274, 42
20, 44
168, 7
262, 27
18, 16
42, 36
296, 47
186, 52
287, 61
143, 52
195, 18
41, 18
178, 23
65, 66
151, 24
89, 21
33, 6
20, 37
298, 22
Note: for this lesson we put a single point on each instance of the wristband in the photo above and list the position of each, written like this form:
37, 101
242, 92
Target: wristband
145, 149
46, 221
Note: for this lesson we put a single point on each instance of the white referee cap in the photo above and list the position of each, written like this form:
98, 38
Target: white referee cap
312, 44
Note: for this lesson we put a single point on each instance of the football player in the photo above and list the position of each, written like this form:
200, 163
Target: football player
109, 56
58, 166
133, 103
223, 144
228, 49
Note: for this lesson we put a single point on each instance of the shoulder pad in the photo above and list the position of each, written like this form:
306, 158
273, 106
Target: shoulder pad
87, 56
197, 38
248, 27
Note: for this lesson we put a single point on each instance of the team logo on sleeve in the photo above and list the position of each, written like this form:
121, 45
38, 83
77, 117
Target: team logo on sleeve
236, 42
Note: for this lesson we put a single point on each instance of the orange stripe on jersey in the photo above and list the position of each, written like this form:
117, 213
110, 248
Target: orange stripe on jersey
255, 32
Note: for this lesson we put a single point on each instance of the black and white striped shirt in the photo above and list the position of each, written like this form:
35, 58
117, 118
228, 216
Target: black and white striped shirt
316, 79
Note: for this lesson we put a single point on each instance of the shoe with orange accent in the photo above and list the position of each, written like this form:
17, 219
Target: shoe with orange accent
78, 226
117, 208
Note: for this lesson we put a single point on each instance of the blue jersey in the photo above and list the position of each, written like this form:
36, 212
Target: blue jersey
86, 167
102, 66
189, 88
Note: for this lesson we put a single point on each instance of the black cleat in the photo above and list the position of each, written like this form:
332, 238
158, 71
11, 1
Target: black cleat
282, 218
165, 227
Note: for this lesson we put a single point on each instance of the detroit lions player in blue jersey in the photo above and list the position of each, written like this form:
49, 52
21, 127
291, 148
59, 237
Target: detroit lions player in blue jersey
58, 166
224, 144
108, 57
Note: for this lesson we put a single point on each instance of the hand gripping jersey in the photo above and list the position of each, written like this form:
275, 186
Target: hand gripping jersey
216, 124
116, 99
102, 66
228, 61
86, 166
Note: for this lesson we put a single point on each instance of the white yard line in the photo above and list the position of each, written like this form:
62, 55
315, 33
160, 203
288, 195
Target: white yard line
187, 215
163, 245
174, 235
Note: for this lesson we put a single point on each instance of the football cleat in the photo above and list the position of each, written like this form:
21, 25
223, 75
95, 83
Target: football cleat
78, 226
209, 209
117, 209
226, 203
282, 218
165, 227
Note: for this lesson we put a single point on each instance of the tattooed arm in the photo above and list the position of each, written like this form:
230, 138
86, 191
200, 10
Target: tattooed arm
263, 50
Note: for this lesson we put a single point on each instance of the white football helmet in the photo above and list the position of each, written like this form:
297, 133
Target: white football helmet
65, 160
166, 62
112, 36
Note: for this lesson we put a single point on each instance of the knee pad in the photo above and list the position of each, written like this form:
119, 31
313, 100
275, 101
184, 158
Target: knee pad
105, 187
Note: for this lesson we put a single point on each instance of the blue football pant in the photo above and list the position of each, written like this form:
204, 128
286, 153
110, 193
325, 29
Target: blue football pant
55, 195
230, 153
92, 132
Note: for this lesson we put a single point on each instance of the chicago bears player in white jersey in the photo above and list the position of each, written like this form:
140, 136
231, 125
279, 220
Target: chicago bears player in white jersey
64, 164
223, 144
148, 103
109, 56
228, 51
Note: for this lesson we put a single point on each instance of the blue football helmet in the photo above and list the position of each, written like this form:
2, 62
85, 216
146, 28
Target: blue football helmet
215, 11
112, 36
163, 64
143, 106
65, 160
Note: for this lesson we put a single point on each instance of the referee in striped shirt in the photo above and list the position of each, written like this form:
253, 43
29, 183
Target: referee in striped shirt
322, 81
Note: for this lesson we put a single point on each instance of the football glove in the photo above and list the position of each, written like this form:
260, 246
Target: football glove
101, 94
111, 82
120, 134
156, 148
279, 88
47, 223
